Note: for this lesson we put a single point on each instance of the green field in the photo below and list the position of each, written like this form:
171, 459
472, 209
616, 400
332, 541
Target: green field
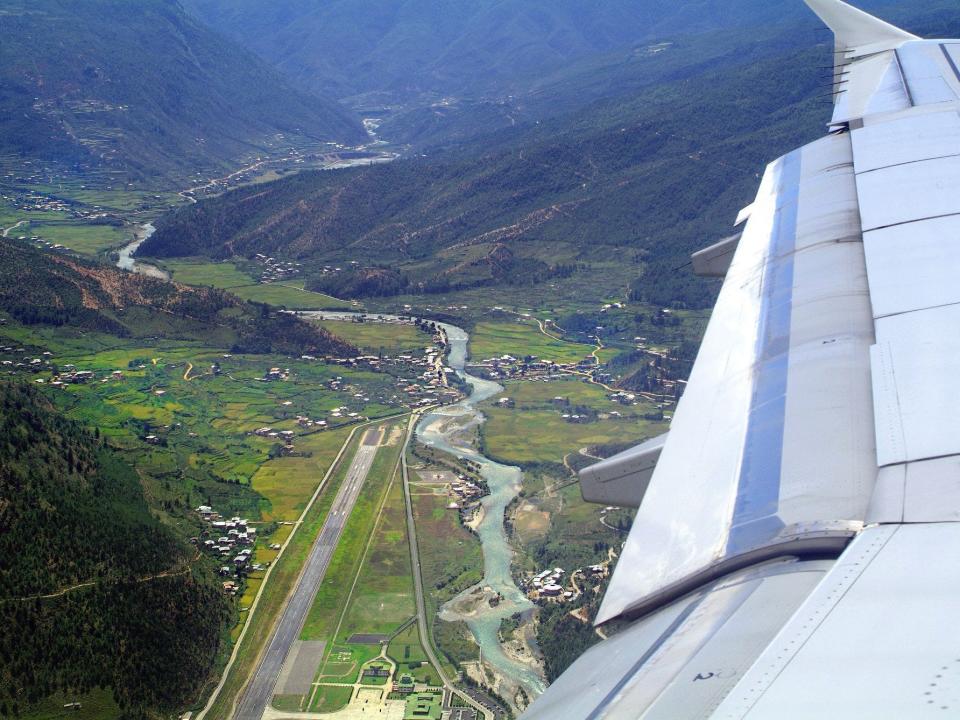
520, 339
406, 650
373, 337
342, 582
228, 276
330, 698
78, 236
206, 452
287, 482
535, 431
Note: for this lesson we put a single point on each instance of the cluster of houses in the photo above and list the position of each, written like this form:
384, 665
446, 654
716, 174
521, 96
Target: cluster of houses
269, 432
548, 585
32, 201
464, 493
276, 373
274, 270
26, 363
234, 543
508, 367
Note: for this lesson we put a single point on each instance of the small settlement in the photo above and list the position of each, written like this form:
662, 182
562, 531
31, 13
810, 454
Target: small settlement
232, 541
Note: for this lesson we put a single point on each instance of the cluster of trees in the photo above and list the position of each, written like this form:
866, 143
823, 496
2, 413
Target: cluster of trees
563, 638
94, 591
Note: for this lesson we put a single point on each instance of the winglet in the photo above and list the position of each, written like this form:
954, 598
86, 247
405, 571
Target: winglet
854, 28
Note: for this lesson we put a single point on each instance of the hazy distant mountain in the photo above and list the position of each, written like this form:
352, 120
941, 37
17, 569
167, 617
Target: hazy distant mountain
402, 48
142, 86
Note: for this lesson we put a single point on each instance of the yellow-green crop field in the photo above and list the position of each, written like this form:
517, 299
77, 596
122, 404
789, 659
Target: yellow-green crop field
536, 431
519, 339
373, 337
228, 276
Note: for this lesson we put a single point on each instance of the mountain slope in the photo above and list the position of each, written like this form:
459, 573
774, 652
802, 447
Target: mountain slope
404, 47
122, 608
58, 290
142, 87
626, 186
634, 182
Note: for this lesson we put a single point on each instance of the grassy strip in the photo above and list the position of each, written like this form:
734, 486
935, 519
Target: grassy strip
329, 604
390, 338
519, 339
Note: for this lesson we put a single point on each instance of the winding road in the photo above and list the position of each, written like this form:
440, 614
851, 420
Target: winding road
259, 690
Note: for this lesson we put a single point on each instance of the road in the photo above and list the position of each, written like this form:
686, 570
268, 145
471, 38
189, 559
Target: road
10, 229
425, 637
259, 691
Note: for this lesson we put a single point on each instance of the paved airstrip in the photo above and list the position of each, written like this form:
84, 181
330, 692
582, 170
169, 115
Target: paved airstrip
260, 689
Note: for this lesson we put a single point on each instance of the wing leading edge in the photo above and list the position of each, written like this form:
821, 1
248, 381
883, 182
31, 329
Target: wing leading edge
792, 555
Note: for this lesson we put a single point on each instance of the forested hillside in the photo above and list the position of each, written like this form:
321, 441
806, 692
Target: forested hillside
40, 288
94, 592
646, 178
141, 87
398, 49
639, 179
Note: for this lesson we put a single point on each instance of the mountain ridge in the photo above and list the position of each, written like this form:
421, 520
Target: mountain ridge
145, 89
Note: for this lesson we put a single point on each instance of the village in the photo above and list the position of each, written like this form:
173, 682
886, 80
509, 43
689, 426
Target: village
232, 533
275, 270
547, 586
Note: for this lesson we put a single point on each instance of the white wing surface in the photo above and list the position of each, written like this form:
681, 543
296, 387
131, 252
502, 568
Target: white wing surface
796, 552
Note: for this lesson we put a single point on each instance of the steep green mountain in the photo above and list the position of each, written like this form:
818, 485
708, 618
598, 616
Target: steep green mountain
60, 290
94, 591
636, 182
144, 88
438, 71
622, 189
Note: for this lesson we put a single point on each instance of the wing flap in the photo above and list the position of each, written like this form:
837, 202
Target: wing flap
783, 370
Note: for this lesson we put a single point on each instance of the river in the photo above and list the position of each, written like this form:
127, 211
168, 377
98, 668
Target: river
448, 429
125, 259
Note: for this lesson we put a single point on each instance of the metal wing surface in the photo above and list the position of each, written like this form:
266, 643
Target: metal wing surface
796, 551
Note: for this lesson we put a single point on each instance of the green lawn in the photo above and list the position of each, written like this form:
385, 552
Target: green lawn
80, 237
330, 698
228, 276
407, 652
374, 337
535, 430
519, 339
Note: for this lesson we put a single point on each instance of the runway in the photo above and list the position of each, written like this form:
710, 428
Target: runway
260, 689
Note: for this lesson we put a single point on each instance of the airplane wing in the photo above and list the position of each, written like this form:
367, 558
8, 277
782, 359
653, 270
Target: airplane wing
796, 551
